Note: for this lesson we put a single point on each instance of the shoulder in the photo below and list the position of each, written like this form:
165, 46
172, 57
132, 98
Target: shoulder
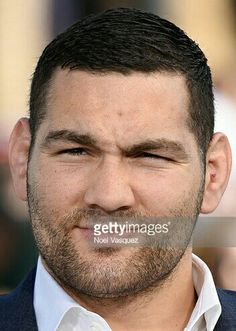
16, 308
227, 320
227, 298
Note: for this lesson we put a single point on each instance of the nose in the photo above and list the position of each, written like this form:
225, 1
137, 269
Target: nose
109, 188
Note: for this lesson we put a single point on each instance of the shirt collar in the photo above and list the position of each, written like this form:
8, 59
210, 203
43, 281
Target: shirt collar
50, 300
51, 303
208, 304
50, 311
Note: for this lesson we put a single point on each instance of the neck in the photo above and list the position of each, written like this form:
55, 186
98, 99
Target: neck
167, 307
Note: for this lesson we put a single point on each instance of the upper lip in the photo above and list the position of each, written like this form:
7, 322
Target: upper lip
87, 227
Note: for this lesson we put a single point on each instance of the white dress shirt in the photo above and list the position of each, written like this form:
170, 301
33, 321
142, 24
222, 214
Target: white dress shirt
57, 311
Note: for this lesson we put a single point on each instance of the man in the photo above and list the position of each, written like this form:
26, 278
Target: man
121, 128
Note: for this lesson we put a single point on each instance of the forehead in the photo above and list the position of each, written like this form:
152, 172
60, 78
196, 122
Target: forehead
116, 104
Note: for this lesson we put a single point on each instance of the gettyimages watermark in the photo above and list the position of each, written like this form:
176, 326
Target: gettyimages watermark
126, 233
140, 231
166, 232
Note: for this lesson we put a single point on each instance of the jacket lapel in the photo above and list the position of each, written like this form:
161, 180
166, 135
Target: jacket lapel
16, 309
227, 320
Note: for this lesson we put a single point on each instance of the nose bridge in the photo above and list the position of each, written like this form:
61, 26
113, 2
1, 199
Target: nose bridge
109, 187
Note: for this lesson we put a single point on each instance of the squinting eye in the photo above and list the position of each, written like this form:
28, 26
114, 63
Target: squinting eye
149, 155
154, 156
74, 151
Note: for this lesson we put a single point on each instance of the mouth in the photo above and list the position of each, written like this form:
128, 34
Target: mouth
85, 231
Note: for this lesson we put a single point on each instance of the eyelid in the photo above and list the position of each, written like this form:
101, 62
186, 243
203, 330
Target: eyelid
76, 150
147, 154
154, 156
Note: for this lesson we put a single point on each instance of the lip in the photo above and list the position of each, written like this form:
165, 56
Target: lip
86, 232
84, 227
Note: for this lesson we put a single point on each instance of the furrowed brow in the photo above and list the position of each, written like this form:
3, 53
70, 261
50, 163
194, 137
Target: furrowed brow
68, 136
162, 145
159, 145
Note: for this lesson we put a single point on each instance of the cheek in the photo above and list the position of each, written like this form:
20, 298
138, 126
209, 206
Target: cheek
162, 191
62, 188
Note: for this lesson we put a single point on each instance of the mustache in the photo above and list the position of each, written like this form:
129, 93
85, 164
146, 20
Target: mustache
87, 218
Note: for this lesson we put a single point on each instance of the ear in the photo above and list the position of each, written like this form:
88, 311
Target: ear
19, 144
218, 167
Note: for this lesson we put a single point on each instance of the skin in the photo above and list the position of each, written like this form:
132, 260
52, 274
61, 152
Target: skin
108, 180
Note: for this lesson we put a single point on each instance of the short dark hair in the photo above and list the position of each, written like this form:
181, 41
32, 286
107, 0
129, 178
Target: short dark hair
128, 40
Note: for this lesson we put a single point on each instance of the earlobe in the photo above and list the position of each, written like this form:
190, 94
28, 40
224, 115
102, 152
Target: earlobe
218, 167
19, 145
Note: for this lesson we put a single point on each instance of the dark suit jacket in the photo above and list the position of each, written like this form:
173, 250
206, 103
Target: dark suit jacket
17, 311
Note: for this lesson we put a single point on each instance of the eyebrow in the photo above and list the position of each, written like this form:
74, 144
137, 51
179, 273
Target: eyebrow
69, 137
164, 145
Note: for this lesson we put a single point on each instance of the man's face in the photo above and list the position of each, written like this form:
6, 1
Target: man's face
112, 145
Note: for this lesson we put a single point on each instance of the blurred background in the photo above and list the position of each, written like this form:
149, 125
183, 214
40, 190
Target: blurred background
26, 27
